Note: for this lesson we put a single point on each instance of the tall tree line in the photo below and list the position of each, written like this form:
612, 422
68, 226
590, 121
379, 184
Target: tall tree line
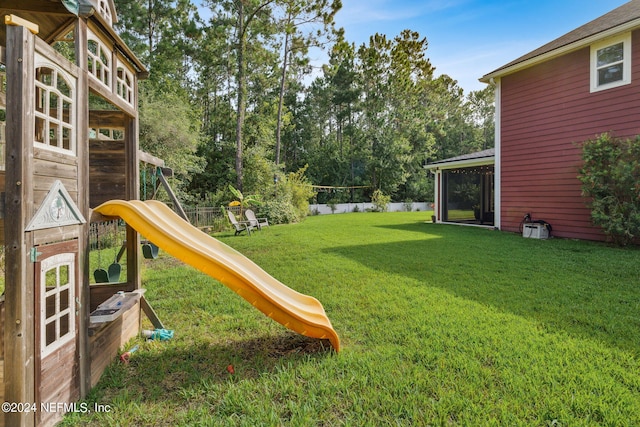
233, 98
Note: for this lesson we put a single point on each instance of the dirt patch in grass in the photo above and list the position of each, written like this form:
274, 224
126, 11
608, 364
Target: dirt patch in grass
164, 261
297, 344
288, 344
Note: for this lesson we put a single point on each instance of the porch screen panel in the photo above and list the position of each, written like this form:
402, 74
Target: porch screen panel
462, 195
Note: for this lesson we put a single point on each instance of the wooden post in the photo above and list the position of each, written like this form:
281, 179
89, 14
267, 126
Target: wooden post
132, 193
176, 203
82, 138
19, 330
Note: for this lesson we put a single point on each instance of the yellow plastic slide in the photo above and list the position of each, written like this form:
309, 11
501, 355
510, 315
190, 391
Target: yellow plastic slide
160, 225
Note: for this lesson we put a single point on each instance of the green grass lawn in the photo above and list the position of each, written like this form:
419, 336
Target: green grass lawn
440, 325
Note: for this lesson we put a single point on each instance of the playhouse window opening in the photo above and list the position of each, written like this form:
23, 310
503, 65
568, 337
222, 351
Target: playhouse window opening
105, 11
98, 103
65, 45
107, 240
124, 87
107, 134
98, 62
54, 110
53, 105
57, 293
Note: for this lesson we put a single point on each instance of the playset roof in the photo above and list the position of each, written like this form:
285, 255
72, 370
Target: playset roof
55, 19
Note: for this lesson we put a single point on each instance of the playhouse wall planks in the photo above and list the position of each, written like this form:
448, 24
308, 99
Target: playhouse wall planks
107, 171
56, 385
107, 341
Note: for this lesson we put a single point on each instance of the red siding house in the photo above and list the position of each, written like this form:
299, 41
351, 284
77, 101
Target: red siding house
580, 85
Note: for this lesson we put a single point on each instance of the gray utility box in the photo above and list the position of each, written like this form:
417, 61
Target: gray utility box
535, 231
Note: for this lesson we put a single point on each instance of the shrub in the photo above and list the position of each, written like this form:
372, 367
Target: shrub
279, 211
380, 201
290, 202
300, 191
610, 177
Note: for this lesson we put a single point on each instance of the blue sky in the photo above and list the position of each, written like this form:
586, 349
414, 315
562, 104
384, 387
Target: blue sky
470, 38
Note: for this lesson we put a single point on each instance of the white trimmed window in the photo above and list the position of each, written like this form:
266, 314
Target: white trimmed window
99, 60
105, 11
57, 302
54, 115
611, 63
124, 79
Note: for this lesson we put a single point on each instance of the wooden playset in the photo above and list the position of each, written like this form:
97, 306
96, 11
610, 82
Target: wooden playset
70, 164
68, 142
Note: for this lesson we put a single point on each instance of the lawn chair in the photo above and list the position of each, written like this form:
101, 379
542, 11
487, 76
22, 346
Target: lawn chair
256, 222
239, 226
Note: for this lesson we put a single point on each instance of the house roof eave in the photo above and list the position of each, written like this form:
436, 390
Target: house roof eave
461, 164
527, 60
480, 158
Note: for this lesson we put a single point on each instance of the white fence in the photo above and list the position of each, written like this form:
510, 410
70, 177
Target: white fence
363, 207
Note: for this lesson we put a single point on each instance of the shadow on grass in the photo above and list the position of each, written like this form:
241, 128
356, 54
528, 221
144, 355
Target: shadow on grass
161, 371
586, 289
437, 230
